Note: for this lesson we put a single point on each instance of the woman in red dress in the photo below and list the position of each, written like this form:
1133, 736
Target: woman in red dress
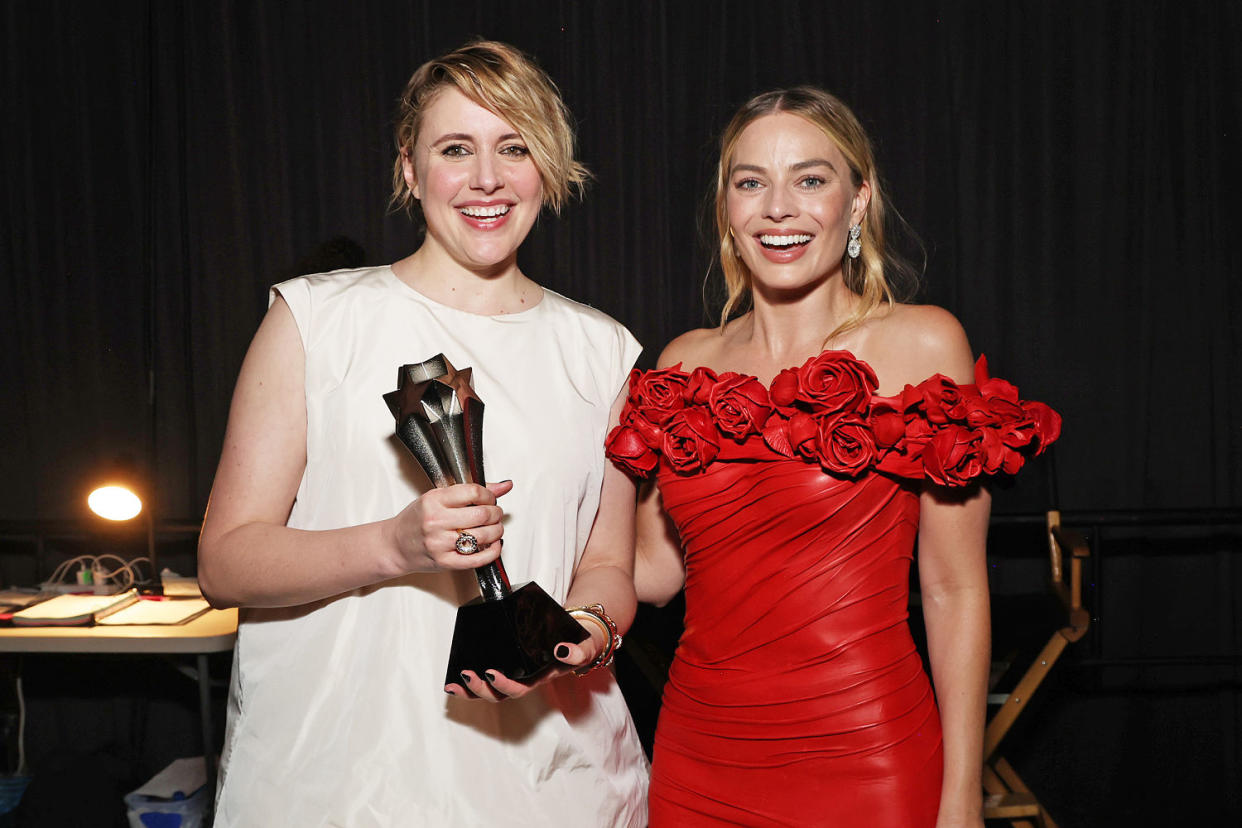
800, 450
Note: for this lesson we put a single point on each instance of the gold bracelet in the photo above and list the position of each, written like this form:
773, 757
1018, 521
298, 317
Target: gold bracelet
596, 613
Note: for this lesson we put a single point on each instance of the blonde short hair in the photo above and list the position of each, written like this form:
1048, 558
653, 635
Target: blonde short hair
878, 275
499, 78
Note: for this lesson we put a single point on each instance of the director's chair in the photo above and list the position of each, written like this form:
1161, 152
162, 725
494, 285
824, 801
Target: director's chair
1007, 797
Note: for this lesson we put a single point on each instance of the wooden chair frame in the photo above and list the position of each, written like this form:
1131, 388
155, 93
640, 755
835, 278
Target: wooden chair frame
1007, 797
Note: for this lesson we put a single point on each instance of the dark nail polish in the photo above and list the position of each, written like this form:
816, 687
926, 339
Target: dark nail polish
490, 676
450, 692
465, 679
561, 651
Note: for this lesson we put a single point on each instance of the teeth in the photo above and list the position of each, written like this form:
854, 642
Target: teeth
784, 240
486, 212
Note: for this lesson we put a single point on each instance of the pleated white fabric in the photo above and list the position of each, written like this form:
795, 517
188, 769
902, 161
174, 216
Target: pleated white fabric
337, 716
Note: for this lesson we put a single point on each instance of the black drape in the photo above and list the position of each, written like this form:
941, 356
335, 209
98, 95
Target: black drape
1070, 167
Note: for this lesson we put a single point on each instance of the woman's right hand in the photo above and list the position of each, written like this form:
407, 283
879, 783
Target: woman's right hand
425, 533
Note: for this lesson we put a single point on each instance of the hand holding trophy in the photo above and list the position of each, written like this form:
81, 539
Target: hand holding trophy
439, 419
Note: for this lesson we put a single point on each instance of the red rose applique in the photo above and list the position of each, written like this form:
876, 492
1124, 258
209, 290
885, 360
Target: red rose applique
658, 394
626, 447
827, 412
691, 440
740, 405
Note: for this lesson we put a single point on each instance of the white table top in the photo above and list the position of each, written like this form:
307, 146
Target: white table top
212, 632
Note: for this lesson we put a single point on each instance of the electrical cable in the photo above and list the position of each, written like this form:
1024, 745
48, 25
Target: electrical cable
124, 574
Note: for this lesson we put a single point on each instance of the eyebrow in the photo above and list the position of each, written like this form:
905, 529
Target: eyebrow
461, 136
814, 162
801, 165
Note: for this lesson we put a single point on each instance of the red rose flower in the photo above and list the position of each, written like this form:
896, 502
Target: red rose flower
952, 456
803, 431
1007, 419
691, 441
887, 424
999, 389
784, 390
740, 405
1047, 424
700, 385
942, 400
996, 457
846, 445
649, 431
901, 433
658, 394
831, 383
991, 411
919, 433
627, 449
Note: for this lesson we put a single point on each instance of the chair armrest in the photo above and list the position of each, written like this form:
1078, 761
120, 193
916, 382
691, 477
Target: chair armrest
1060, 542
1074, 541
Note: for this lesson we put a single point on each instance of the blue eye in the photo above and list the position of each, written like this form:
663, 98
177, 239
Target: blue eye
747, 184
812, 181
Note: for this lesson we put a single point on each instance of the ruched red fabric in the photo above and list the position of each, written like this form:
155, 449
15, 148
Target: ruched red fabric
796, 696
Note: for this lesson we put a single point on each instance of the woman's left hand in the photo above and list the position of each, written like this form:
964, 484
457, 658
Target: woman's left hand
495, 686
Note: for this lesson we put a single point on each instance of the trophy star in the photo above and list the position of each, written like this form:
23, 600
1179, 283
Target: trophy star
431, 398
459, 380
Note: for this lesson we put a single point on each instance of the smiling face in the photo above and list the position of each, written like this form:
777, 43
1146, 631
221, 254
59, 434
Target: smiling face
473, 176
791, 202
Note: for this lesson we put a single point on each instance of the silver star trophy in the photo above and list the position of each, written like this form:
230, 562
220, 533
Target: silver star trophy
439, 419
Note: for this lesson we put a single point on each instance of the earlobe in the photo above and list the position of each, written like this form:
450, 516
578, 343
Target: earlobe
407, 172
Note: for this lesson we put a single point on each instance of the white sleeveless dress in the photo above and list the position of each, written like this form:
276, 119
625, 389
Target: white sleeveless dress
337, 713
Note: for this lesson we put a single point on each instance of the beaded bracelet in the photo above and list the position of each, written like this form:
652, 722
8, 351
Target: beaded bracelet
596, 613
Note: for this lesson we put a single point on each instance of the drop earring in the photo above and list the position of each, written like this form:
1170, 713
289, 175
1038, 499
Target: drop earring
854, 247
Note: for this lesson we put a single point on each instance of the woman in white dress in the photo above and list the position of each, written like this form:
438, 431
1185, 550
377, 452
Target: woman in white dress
349, 567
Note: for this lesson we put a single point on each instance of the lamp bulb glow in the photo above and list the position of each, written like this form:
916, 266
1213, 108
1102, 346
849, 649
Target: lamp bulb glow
114, 503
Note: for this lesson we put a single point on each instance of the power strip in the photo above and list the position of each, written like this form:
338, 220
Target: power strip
62, 588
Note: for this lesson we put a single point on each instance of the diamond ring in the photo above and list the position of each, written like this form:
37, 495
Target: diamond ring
467, 544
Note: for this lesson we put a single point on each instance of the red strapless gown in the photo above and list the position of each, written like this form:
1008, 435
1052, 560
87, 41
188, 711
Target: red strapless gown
796, 696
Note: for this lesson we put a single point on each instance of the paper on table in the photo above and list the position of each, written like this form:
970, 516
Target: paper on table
73, 609
168, 611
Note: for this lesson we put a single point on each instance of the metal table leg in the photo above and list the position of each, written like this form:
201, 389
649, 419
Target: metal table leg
209, 744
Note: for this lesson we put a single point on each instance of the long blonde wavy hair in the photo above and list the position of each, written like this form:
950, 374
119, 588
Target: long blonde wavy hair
878, 276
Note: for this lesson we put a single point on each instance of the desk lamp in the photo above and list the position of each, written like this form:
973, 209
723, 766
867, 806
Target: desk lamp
117, 501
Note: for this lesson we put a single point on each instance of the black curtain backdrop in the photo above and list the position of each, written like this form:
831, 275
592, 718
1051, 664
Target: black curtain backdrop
1071, 167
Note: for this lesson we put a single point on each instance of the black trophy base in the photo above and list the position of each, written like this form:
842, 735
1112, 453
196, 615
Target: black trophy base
515, 635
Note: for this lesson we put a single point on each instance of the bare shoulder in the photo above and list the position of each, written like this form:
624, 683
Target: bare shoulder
691, 349
917, 341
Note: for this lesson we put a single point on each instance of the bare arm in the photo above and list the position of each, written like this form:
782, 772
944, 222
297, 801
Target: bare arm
659, 561
953, 576
659, 566
248, 557
605, 574
953, 527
